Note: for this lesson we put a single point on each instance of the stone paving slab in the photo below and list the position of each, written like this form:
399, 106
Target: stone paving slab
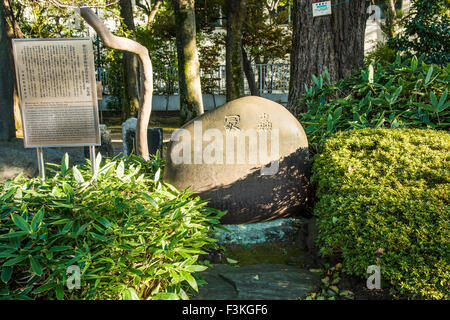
257, 282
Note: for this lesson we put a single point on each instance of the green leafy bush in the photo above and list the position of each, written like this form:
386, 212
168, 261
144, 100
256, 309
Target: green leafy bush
383, 199
405, 93
132, 236
382, 53
425, 31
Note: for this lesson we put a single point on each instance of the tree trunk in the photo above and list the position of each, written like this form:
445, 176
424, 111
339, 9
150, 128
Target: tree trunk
6, 83
125, 44
13, 31
391, 18
11, 18
236, 11
249, 74
130, 64
334, 41
191, 102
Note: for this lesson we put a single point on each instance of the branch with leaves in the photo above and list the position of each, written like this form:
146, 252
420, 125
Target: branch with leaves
147, 7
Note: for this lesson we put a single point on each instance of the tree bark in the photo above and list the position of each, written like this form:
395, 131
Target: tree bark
130, 64
129, 45
191, 102
249, 74
334, 41
391, 17
12, 20
13, 31
6, 83
236, 11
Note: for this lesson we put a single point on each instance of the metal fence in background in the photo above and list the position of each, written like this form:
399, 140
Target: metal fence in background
101, 75
269, 78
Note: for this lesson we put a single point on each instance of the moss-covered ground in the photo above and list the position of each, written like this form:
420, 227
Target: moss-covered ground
274, 253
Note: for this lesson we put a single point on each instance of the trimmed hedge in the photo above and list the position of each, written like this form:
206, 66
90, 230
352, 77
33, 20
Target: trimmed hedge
383, 199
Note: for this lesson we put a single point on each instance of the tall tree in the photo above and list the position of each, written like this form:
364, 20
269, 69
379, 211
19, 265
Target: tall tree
130, 63
236, 11
267, 36
389, 25
334, 41
13, 30
191, 102
249, 74
6, 82
12, 26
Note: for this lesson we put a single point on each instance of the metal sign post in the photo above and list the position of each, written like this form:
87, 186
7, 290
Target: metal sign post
92, 156
100, 98
40, 157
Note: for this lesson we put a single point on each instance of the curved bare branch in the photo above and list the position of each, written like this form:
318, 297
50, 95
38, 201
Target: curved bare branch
125, 44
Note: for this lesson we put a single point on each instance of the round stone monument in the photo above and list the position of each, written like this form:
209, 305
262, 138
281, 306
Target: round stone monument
249, 157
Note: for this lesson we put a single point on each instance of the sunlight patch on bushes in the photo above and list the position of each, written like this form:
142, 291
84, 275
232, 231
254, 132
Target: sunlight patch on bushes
132, 236
383, 199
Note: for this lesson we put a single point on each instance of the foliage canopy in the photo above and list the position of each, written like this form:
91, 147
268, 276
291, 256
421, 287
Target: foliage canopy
426, 31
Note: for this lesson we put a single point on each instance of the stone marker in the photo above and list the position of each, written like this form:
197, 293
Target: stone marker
154, 137
249, 156
129, 125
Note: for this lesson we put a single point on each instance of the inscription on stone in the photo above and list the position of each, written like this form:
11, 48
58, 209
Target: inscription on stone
264, 123
232, 123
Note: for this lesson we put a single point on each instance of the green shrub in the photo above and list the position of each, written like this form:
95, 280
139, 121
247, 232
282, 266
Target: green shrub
405, 93
382, 53
132, 236
383, 199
